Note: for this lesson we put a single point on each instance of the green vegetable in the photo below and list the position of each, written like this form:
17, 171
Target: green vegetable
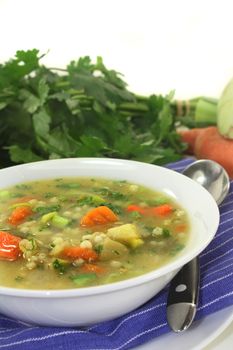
105, 191
68, 186
166, 233
225, 112
135, 215
83, 278
197, 112
47, 209
94, 201
69, 114
47, 217
55, 219
177, 247
98, 248
4, 194
60, 265
23, 187
158, 201
117, 209
59, 221
19, 278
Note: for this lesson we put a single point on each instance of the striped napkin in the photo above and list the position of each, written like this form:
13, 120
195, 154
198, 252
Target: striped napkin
148, 321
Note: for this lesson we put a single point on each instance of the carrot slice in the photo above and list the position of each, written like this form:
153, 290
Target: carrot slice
93, 268
77, 252
19, 214
98, 216
162, 210
180, 228
134, 207
9, 246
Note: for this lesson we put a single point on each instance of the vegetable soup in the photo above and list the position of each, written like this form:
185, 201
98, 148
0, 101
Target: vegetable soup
79, 232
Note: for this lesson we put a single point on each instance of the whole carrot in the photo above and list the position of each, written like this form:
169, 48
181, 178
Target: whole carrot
207, 143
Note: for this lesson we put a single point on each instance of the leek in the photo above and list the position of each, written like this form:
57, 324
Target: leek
225, 112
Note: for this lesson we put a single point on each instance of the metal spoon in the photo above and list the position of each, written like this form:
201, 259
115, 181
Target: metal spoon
184, 288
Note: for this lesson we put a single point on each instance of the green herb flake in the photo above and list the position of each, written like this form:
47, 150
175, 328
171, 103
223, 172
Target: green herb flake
158, 201
99, 248
176, 249
83, 279
116, 252
23, 187
19, 278
47, 209
68, 186
166, 233
94, 201
135, 215
116, 195
33, 242
60, 266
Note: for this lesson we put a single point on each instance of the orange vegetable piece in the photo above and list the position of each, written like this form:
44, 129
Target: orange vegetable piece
77, 252
19, 214
134, 207
180, 228
9, 246
93, 268
162, 210
98, 216
189, 137
209, 144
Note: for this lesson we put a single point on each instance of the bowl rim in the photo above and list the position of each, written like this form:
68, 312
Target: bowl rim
171, 266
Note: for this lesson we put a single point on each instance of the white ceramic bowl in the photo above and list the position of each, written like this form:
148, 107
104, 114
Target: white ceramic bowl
85, 306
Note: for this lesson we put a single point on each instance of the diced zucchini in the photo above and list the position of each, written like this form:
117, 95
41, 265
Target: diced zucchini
127, 234
92, 200
59, 221
83, 279
47, 217
55, 219
4, 194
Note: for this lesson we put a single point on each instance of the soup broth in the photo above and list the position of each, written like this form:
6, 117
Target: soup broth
80, 232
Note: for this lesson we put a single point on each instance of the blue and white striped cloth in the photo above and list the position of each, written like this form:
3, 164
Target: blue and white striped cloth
147, 322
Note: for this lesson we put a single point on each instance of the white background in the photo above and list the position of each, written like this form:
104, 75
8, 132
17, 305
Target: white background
161, 45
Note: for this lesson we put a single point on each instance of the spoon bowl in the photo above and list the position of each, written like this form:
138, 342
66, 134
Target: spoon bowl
212, 176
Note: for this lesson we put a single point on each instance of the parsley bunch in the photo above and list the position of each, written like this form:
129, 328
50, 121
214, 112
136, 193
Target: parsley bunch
84, 110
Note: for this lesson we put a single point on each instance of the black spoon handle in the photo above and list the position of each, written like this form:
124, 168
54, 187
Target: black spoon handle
183, 296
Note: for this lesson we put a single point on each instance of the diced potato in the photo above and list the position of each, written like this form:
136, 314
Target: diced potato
127, 234
47, 217
112, 249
